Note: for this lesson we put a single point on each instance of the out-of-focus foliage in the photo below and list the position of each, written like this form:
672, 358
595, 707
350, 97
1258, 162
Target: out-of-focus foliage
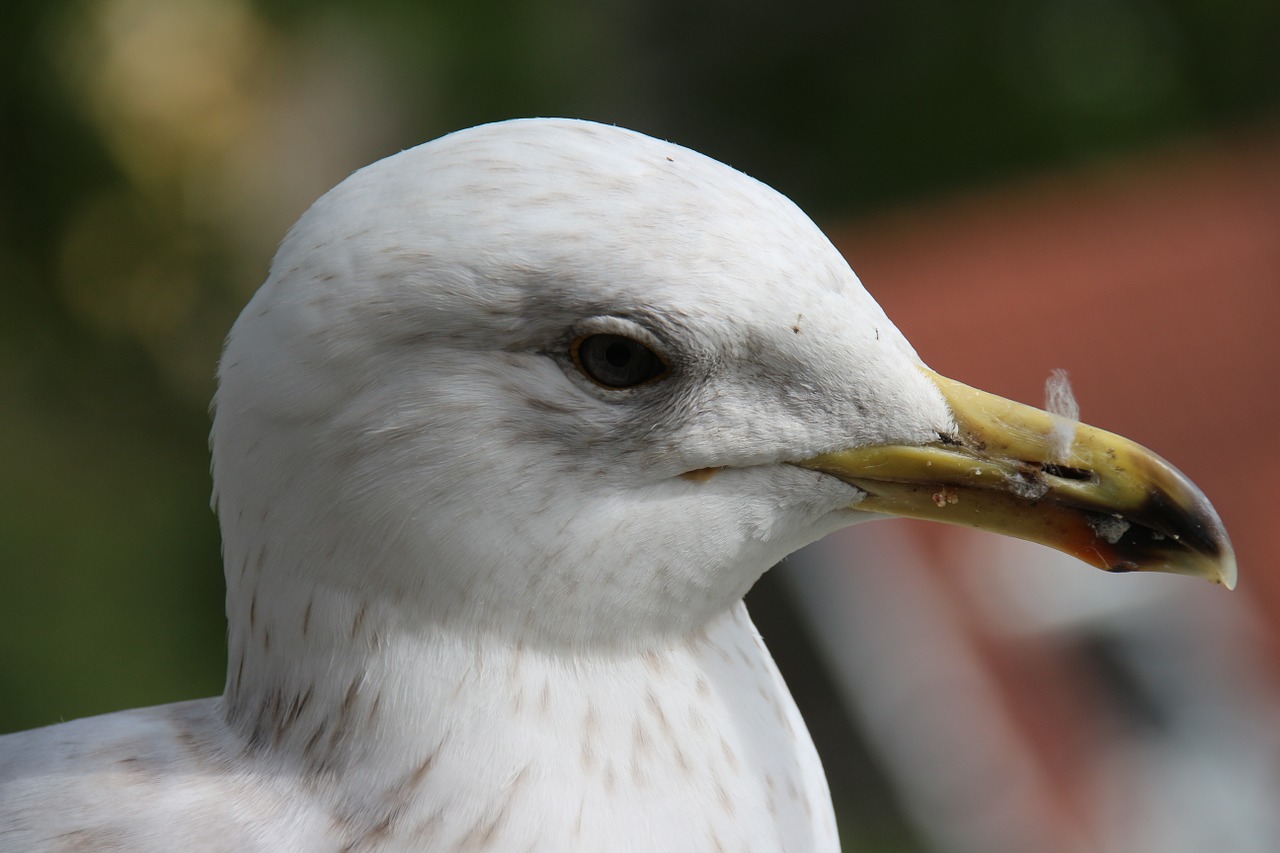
153, 152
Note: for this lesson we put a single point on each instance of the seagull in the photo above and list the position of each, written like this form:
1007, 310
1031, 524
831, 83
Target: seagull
517, 418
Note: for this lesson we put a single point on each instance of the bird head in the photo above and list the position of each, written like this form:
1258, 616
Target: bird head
566, 382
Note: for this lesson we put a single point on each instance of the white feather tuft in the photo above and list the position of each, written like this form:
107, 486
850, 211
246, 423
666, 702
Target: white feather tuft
1060, 402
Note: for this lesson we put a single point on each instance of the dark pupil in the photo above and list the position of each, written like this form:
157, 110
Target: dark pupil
618, 362
618, 354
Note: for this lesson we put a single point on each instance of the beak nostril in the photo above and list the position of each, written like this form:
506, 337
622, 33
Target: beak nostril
1066, 472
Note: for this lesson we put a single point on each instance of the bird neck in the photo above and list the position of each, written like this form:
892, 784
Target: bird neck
307, 671
466, 735
309, 668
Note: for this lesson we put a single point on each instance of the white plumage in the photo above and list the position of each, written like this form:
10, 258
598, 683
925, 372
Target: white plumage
476, 599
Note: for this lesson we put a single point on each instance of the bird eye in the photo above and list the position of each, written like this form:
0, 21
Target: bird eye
615, 361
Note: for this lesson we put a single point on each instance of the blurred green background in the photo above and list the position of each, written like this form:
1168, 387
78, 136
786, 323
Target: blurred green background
155, 150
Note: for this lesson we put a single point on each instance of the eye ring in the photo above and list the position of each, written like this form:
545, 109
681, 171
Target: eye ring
617, 362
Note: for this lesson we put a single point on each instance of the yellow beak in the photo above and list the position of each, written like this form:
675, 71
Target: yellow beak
1017, 470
